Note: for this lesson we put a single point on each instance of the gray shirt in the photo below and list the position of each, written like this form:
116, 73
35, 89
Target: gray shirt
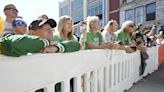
109, 37
8, 28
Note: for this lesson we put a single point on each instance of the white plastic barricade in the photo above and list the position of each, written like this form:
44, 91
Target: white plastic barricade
91, 70
125, 70
30, 73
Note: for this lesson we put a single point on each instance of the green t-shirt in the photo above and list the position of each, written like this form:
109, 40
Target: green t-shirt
58, 39
96, 38
123, 37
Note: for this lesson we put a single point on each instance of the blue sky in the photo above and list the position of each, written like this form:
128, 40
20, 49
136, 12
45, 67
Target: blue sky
31, 9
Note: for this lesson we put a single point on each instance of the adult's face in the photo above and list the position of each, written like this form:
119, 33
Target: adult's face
131, 28
11, 12
45, 32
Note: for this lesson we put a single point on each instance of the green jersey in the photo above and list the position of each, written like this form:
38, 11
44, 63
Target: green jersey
70, 45
16, 45
123, 37
57, 38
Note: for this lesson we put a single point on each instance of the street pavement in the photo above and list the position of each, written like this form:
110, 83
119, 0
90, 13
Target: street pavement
152, 83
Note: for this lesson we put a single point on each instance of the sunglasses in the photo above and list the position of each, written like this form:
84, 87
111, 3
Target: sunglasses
12, 9
131, 26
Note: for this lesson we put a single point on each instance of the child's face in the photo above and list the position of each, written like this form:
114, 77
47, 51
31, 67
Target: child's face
20, 29
114, 27
68, 26
96, 25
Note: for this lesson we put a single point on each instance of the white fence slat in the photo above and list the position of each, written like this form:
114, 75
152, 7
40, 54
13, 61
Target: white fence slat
66, 85
49, 88
106, 78
78, 84
87, 82
101, 79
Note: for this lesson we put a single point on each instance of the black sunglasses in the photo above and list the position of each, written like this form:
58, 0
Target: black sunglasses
11, 9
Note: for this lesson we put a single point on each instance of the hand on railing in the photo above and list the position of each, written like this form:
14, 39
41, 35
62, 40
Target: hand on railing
109, 45
129, 49
49, 49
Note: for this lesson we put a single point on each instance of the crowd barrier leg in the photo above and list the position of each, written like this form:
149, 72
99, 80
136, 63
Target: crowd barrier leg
77, 84
95, 81
87, 82
107, 78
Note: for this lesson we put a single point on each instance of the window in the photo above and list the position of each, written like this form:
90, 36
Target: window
129, 15
128, 1
64, 10
101, 23
77, 16
139, 15
76, 4
95, 10
150, 11
89, 1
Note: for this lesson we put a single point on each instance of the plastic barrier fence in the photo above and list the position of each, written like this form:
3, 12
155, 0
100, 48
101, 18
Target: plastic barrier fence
91, 71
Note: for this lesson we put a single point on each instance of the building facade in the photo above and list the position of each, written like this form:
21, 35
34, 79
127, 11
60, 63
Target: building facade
114, 10
80, 9
148, 12
64, 7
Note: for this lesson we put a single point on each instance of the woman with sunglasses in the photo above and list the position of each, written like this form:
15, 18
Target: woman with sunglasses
11, 13
123, 34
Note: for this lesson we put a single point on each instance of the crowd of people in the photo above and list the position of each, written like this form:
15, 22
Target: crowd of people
41, 36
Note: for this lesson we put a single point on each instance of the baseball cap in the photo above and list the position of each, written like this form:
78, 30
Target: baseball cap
19, 21
10, 6
38, 23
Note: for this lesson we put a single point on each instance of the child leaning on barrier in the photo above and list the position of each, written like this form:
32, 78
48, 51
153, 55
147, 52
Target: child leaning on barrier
94, 39
64, 30
110, 37
108, 33
65, 34
40, 40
